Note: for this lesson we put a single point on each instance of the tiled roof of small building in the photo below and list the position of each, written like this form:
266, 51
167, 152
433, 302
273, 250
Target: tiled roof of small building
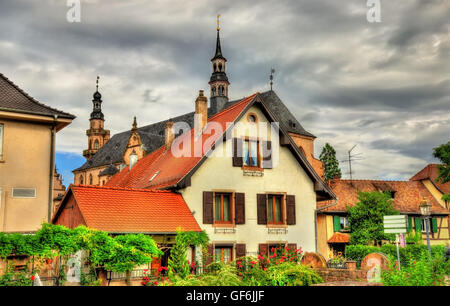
431, 172
14, 99
339, 237
125, 210
407, 195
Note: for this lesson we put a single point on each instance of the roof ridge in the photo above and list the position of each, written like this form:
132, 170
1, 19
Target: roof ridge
232, 106
370, 180
30, 97
119, 188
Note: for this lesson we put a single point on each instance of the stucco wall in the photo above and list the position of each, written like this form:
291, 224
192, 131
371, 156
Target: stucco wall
218, 173
26, 151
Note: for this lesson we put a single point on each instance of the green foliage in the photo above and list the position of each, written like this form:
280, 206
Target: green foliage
15, 278
443, 154
178, 264
366, 217
330, 162
421, 272
291, 274
410, 252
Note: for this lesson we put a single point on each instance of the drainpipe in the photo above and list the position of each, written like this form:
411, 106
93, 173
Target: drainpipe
315, 223
52, 162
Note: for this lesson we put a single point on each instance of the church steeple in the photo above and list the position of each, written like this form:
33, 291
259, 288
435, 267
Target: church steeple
219, 81
97, 135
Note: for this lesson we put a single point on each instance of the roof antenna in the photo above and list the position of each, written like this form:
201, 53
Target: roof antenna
272, 71
352, 158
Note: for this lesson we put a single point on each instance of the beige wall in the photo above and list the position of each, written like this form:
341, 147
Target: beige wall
217, 173
26, 164
94, 172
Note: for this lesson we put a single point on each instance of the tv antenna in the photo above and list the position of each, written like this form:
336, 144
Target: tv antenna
351, 158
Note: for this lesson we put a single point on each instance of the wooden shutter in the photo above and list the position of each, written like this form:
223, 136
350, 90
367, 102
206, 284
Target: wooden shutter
267, 155
263, 249
337, 223
208, 216
434, 225
261, 208
410, 225
210, 254
239, 205
237, 152
241, 250
292, 246
418, 225
290, 209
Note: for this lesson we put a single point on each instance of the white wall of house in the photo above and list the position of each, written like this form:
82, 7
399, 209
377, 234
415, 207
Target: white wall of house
218, 174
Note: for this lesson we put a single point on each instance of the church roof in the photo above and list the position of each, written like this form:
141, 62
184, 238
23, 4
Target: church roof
14, 99
152, 136
111, 170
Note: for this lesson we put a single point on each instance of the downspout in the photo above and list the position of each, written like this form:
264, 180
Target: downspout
315, 223
52, 162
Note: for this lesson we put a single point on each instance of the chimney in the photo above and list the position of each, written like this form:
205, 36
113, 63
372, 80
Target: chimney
170, 136
201, 113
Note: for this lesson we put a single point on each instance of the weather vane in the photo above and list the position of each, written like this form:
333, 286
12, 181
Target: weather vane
97, 82
218, 22
272, 71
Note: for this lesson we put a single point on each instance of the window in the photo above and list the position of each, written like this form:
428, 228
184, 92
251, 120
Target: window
222, 208
251, 153
96, 145
81, 180
223, 254
424, 226
344, 223
90, 179
275, 209
1, 141
24, 192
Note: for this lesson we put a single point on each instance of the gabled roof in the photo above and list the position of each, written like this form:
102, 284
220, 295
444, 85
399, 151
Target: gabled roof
431, 172
14, 99
125, 210
161, 169
339, 237
152, 136
407, 195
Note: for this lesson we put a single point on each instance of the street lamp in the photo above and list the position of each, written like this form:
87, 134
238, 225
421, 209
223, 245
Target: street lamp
425, 210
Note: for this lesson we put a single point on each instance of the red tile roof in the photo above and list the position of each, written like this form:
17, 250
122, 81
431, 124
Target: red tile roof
126, 210
407, 197
339, 238
431, 172
167, 169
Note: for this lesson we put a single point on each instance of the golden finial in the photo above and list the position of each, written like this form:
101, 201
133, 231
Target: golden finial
218, 22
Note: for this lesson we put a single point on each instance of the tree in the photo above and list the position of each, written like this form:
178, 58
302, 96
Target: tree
366, 217
443, 154
330, 162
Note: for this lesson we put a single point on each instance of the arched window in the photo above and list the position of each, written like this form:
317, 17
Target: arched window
96, 144
81, 180
220, 66
215, 67
90, 179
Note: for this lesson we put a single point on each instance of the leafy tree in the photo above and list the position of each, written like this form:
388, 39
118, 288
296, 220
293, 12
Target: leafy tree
366, 217
178, 264
443, 154
330, 162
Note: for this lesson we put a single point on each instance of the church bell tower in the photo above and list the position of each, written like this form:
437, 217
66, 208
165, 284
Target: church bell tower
97, 135
219, 81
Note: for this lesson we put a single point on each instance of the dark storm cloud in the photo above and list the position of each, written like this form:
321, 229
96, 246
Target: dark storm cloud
384, 86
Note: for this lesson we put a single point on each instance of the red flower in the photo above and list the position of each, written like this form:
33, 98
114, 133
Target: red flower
32, 277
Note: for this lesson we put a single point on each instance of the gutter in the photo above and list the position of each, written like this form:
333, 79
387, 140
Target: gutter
315, 222
52, 162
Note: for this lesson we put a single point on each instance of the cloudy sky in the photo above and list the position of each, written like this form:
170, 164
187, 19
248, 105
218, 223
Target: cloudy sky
383, 86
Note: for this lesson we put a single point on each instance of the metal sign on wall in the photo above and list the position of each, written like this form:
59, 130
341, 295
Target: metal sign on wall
396, 224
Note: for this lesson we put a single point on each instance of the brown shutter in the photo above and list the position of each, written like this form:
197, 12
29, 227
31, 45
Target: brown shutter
267, 155
292, 246
263, 249
237, 152
261, 208
241, 250
290, 209
240, 208
210, 254
207, 207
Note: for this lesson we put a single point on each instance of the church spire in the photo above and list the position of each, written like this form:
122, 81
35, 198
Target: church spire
219, 81
97, 104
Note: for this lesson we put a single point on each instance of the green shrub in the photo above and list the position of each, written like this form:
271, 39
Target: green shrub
422, 272
290, 274
15, 278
